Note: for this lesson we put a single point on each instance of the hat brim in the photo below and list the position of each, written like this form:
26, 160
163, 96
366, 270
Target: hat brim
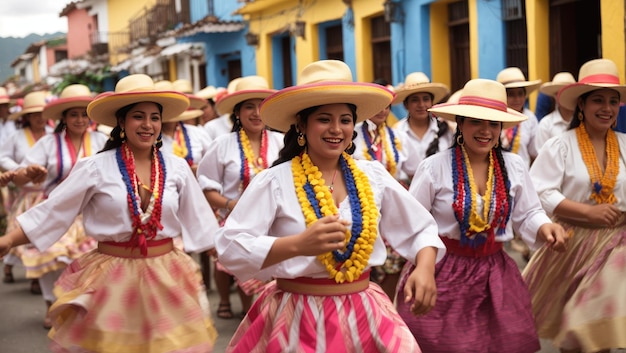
102, 110
196, 102
438, 90
551, 89
529, 85
5, 100
568, 95
279, 110
449, 111
226, 104
54, 110
188, 114
17, 115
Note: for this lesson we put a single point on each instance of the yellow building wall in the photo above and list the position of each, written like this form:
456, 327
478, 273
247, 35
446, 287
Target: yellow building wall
120, 12
439, 39
613, 39
538, 27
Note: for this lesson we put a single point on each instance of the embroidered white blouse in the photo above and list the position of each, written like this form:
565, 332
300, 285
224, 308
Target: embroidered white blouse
269, 209
198, 138
433, 187
551, 125
559, 172
14, 149
95, 187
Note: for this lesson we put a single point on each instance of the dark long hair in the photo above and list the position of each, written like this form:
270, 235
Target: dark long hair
116, 140
234, 119
292, 149
443, 126
575, 122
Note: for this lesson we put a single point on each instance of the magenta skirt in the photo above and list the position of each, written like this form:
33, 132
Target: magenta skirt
282, 321
482, 306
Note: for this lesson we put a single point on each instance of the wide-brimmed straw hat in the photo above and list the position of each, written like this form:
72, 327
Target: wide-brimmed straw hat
72, 96
248, 87
481, 99
208, 92
559, 81
513, 77
4, 96
135, 89
34, 102
417, 82
195, 102
324, 82
593, 75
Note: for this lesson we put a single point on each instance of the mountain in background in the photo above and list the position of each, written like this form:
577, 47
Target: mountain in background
11, 48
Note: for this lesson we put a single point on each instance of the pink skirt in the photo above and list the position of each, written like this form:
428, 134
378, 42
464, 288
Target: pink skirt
579, 297
281, 321
482, 306
117, 304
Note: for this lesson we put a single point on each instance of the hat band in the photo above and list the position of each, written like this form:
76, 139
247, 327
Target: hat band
601, 78
34, 106
512, 81
483, 102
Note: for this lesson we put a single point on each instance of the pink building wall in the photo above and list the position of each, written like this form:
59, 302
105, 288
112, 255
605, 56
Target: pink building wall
80, 26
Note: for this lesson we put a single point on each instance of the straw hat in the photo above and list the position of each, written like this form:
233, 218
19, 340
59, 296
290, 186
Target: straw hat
248, 87
559, 81
190, 113
481, 99
593, 75
416, 82
135, 89
513, 77
34, 102
183, 86
207, 93
323, 82
195, 102
4, 96
72, 96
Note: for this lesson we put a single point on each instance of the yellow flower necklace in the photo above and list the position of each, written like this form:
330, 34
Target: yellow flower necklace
317, 202
370, 148
247, 157
602, 184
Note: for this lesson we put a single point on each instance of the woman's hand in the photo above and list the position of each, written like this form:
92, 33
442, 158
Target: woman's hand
603, 214
554, 235
35, 173
421, 289
327, 234
6, 177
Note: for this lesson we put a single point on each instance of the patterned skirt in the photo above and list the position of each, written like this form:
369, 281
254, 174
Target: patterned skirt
282, 321
578, 297
144, 305
482, 306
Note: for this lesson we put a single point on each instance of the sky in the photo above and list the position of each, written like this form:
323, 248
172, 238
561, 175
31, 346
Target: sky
19, 18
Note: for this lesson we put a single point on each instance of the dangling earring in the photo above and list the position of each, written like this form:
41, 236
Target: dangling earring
122, 135
349, 146
459, 140
497, 144
580, 116
159, 139
301, 139
614, 125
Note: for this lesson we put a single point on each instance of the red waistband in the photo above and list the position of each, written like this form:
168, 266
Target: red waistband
323, 286
454, 247
131, 250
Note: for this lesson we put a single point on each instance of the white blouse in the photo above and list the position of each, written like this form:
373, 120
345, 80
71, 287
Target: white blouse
559, 172
219, 126
551, 125
46, 154
220, 169
361, 151
95, 187
14, 149
527, 128
415, 147
269, 209
433, 187
198, 138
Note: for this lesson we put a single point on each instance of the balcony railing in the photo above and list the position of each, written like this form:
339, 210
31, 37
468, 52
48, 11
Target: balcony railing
103, 42
146, 26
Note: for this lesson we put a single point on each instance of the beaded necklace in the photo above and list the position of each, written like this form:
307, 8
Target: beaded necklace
369, 151
145, 223
602, 184
247, 157
316, 202
74, 156
511, 138
182, 144
496, 208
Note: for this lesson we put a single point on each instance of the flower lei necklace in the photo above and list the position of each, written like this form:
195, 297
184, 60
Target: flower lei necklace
496, 204
369, 151
511, 139
603, 184
317, 202
182, 144
247, 157
145, 223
